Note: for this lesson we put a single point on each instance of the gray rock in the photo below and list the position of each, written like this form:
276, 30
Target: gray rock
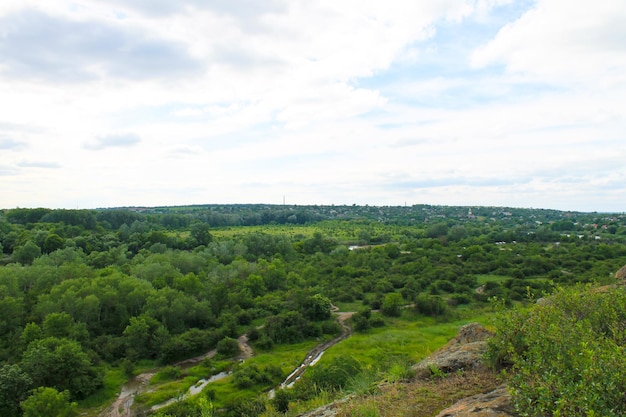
496, 403
465, 351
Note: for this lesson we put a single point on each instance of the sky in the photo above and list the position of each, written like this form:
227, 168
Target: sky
109, 103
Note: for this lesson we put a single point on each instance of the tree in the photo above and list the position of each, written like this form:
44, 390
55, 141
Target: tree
14, 385
200, 234
48, 402
31, 332
317, 307
27, 254
61, 364
392, 304
53, 242
145, 337
58, 325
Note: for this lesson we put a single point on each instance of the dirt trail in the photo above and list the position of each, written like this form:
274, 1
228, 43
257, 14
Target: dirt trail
314, 354
245, 349
122, 407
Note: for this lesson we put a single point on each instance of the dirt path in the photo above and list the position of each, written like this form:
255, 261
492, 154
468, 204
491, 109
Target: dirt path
122, 407
245, 349
315, 354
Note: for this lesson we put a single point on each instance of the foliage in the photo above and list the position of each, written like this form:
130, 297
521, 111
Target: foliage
281, 400
566, 353
430, 305
119, 288
247, 375
228, 347
392, 304
14, 385
48, 402
61, 364
335, 375
167, 373
317, 307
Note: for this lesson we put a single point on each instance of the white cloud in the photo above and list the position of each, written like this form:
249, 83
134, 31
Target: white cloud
39, 164
447, 101
8, 143
122, 140
563, 41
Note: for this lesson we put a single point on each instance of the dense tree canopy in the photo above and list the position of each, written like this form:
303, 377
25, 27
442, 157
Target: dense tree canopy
82, 291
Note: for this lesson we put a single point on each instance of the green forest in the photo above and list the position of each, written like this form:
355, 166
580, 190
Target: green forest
90, 299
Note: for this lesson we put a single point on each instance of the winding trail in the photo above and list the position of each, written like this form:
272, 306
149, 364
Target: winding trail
138, 384
122, 407
316, 353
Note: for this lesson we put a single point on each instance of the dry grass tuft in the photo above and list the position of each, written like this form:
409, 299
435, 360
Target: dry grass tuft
421, 398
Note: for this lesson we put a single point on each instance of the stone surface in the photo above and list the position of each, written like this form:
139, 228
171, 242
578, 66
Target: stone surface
465, 351
496, 403
620, 275
329, 410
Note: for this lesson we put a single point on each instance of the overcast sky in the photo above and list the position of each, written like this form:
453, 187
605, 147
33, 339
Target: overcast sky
107, 103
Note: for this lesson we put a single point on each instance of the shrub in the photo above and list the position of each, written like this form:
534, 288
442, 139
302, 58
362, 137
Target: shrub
281, 400
566, 354
392, 304
228, 347
246, 376
430, 305
336, 374
360, 322
167, 373
377, 321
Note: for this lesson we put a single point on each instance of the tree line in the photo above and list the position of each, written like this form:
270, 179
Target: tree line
82, 291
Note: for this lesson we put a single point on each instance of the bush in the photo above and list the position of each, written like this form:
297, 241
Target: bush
377, 321
392, 304
228, 347
335, 375
247, 376
566, 354
167, 373
360, 322
430, 305
281, 400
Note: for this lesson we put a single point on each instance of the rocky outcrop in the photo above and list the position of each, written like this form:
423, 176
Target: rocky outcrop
496, 403
620, 275
465, 351
329, 410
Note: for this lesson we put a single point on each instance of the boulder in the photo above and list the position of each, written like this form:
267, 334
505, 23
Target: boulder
465, 351
496, 403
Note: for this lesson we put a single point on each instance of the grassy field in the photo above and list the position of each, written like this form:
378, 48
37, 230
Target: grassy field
484, 278
410, 337
385, 353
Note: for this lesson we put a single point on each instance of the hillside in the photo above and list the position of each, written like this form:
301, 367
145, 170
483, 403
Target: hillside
90, 299
562, 356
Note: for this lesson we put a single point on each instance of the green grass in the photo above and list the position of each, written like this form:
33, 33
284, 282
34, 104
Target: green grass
289, 230
287, 357
225, 392
484, 278
114, 379
388, 350
351, 306
412, 337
